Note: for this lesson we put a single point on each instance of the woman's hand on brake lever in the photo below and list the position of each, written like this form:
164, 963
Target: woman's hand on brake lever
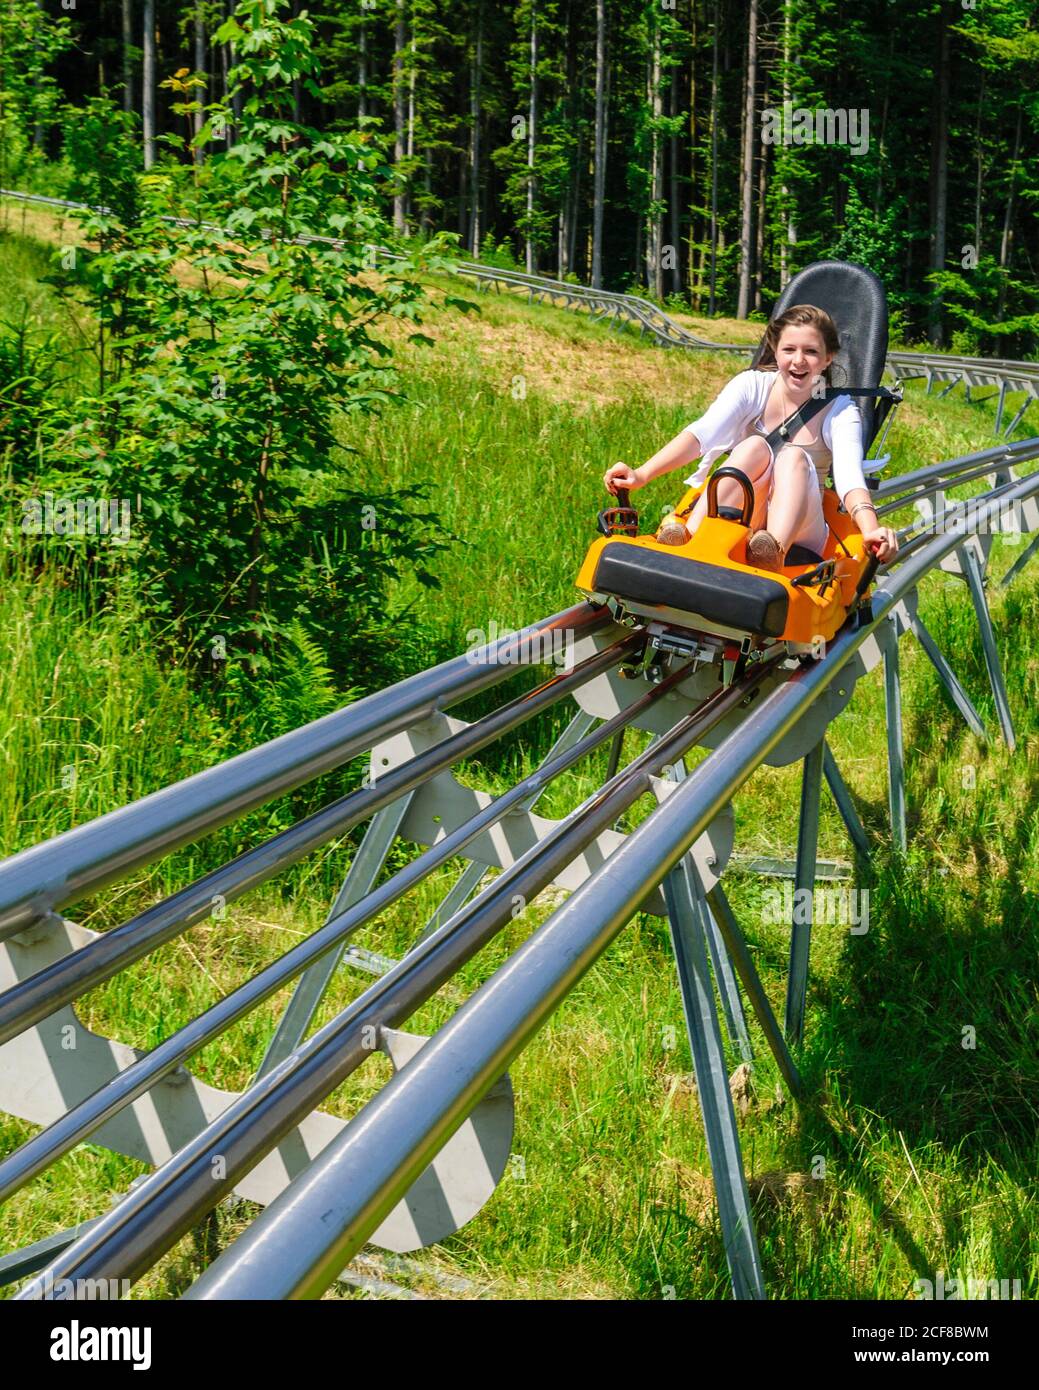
621, 476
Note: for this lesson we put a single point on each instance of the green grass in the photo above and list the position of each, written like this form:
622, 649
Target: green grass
927, 1148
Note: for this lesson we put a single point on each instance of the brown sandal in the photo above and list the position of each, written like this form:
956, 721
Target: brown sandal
764, 552
672, 531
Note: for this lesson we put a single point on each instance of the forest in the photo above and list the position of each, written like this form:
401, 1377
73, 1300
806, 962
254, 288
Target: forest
700, 151
251, 473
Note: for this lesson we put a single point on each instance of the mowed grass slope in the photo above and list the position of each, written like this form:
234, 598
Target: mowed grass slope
915, 1152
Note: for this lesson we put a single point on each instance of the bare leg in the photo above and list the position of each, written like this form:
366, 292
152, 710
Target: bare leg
794, 492
752, 457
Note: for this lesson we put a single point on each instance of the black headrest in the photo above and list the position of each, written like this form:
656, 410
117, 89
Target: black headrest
855, 300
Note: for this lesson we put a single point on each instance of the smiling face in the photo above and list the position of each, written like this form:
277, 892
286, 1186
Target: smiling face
801, 357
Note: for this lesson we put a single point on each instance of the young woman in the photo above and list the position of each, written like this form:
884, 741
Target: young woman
800, 346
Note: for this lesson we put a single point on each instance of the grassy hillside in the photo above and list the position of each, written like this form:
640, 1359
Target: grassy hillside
929, 1148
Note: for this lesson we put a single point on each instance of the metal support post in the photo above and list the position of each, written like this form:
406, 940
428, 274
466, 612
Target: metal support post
360, 880
842, 796
458, 895
804, 887
1019, 564
972, 569
888, 634
1001, 403
948, 678
722, 913
712, 1086
728, 991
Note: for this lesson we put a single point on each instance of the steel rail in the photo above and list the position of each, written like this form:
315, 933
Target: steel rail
296, 1246
45, 1162
36, 1154
955, 507
50, 876
999, 455
154, 1215
902, 363
66, 979
294, 1088
968, 475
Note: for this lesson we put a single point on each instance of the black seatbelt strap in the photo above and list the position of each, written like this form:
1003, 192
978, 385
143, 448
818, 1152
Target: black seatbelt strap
781, 434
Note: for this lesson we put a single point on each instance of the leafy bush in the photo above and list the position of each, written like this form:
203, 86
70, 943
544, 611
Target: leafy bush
232, 335
501, 255
28, 377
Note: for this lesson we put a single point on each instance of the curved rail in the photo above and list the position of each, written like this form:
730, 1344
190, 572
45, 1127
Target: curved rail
378, 1155
41, 880
298, 1246
1005, 374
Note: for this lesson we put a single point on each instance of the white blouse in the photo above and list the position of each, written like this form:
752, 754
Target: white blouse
732, 415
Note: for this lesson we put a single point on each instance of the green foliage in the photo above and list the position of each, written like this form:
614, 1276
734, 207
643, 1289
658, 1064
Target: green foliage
500, 255
617, 1201
28, 373
230, 343
101, 150
30, 99
874, 237
299, 687
980, 301
537, 23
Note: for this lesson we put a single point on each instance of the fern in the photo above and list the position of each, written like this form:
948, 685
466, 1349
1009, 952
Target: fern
303, 687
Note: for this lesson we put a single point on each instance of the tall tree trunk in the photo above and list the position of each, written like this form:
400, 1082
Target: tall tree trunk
362, 69
694, 242
234, 96
1007, 239
200, 67
569, 102
747, 166
882, 134
940, 169
599, 174
424, 219
980, 169
532, 138
224, 68
655, 221
575, 200
148, 84
399, 38
790, 236
411, 124
463, 197
127, 20
676, 208
712, 297
475, 106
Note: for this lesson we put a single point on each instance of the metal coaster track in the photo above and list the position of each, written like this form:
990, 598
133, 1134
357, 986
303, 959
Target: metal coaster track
384, 1177
372, 1162
1005, 375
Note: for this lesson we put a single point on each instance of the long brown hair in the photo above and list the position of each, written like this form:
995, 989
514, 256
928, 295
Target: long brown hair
800, 316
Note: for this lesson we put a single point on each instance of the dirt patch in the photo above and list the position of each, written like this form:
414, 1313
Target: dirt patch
584, 373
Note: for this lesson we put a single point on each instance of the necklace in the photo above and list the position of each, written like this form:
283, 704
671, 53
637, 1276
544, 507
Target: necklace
787, 407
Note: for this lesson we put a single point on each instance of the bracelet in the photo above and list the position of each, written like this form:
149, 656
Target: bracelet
859, 506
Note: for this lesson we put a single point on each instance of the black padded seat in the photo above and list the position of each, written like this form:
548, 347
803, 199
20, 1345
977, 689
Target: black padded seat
801, 555
855, 300
747, 602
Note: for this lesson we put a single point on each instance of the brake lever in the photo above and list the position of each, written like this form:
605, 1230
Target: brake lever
622, 520
822, 575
